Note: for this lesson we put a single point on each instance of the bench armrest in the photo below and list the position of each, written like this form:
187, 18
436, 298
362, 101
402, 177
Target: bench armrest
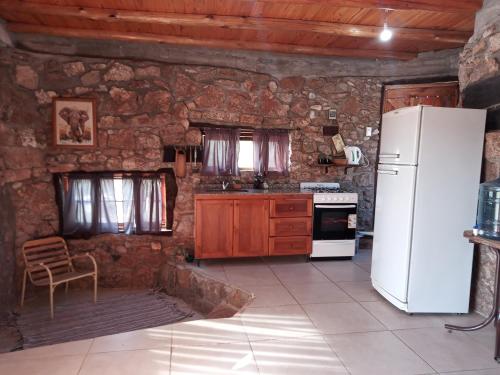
86, 255
31, 269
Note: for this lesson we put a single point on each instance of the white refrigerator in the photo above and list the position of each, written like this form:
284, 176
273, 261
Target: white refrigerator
427, 188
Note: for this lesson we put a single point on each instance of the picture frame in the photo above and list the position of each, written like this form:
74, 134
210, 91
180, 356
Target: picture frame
74, 122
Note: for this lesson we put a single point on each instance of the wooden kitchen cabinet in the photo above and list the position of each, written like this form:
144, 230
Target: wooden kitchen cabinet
251, 228
214, 223
252, 225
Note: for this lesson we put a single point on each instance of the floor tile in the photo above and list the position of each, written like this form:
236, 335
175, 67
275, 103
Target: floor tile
342, 271
485, 336
61, 365
318, 293
296, 357
341, 318
273, 295
393, 318
151, 361
299, 274
151, 338
376, 353
361, 291
245, 276
48, 351
207, 332
475, 372
278, 322
219, 360
447, 352
286, 260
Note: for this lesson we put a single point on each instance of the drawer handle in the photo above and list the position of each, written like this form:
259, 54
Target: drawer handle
290, 208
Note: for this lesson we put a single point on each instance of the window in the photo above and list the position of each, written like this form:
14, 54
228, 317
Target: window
245, 159
93, 203
229, 150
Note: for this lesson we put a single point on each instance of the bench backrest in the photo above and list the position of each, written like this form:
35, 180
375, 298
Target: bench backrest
52, 252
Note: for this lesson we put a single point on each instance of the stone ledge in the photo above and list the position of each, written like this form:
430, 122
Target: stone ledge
207, 295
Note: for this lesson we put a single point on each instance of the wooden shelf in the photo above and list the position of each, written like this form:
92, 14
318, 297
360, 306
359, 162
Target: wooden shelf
326, 166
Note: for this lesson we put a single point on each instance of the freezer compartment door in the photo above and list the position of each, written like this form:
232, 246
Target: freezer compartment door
393, 229
400, 136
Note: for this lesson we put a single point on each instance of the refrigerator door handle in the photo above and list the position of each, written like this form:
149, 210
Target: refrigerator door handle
389, 156
393, 173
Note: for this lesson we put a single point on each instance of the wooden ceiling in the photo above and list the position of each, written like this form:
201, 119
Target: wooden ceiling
325, 27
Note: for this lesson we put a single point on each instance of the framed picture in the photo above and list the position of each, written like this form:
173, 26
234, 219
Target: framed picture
74, 122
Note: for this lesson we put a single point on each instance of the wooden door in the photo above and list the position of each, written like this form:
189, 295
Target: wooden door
444, 94
251, 228
214, 228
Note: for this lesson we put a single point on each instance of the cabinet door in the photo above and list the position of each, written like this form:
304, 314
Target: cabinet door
288, 207
214, 229
251, 228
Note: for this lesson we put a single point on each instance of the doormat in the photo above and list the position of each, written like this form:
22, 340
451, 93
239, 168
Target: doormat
82, 319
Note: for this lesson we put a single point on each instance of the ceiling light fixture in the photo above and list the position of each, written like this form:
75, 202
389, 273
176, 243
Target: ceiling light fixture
386, 33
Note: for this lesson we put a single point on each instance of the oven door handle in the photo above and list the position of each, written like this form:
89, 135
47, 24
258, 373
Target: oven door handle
335, 206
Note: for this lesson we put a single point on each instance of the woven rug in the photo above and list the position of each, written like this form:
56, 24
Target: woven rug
82, 319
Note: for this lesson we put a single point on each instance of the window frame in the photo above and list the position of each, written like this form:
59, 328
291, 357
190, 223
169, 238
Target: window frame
62, 182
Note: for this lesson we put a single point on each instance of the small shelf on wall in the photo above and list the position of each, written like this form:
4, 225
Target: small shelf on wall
344, 166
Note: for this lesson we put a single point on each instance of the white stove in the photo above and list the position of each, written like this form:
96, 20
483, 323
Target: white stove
334, 226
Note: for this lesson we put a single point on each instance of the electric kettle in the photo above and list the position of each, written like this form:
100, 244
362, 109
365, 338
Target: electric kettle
353, 155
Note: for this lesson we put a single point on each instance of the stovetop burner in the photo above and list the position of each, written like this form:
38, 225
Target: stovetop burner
324, 190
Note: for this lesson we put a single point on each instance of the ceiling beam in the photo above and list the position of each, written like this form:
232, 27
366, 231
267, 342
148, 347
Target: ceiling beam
9, 9
214, 43
444, 6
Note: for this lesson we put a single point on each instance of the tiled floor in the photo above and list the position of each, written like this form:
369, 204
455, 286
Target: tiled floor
308, 318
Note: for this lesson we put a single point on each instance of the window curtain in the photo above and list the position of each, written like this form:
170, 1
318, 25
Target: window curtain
148, 204
221, 151
78, 208
107, 216
271, 151
94, 203
128, 205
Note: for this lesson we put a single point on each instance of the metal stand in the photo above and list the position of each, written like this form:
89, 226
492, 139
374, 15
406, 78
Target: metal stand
494, 314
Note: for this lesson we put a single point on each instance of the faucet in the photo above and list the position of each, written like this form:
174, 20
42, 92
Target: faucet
225, 184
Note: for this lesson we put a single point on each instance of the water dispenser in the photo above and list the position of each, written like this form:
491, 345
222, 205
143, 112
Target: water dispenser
488, 211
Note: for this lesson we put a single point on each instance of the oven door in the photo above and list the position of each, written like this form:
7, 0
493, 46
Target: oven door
334, 222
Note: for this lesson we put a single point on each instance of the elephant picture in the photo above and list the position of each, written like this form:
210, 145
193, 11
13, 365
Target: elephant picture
74, 122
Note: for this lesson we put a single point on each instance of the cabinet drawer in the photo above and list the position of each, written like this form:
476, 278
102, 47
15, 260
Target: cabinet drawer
291, 207
290, 245
293, 226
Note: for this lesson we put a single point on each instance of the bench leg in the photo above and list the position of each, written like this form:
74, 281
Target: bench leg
52, 301
95, 287
23, 292
66, 288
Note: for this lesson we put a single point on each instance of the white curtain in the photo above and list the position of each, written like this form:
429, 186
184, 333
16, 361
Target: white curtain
78, 206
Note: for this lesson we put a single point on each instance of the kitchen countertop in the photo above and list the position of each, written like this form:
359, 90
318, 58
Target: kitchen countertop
207, 192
